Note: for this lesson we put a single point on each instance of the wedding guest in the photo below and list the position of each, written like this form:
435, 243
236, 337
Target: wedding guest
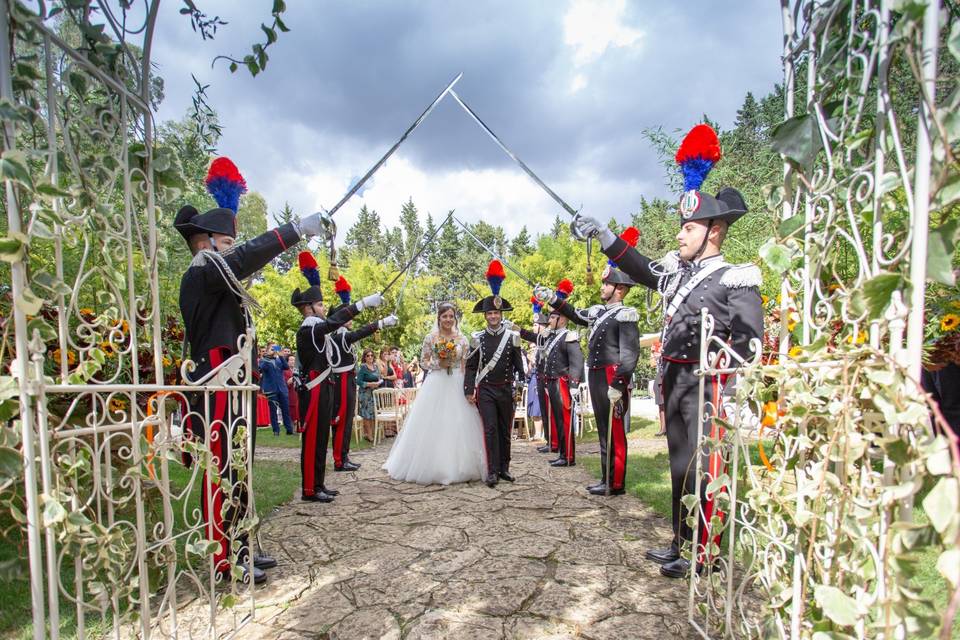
416, 373
533, 399
387, 376
291, 375
368, 379
399, 367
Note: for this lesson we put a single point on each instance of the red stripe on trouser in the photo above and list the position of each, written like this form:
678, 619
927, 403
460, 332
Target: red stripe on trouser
340, 420
619, 437
714, 468
554, 444
308, 454
217, 431
567, 417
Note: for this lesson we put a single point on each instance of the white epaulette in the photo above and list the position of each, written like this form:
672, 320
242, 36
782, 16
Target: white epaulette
475, 339
669, 263
628, 314
309, 321
515, 337
572, 336
593, 312
742, 275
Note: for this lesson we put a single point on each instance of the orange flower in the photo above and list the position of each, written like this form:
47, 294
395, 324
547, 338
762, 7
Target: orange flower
108, 348
949, 322
769, 414
167, 361
122, 325
764, 299
71, 356
118, 404
450, 345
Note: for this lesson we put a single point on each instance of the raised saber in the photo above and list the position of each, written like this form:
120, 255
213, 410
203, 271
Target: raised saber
418, 253
543, 185
493, 253
386, 156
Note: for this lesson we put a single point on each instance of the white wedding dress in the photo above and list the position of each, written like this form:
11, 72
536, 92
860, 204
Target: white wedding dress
442, 437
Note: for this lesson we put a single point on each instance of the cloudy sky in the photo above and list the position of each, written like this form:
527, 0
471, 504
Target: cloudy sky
569, 85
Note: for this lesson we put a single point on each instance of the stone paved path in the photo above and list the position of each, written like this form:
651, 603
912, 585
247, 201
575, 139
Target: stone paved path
536, 559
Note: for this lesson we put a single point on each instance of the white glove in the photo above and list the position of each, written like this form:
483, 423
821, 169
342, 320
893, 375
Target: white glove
575, 394
370, 301
592, 228
544, 294
390, 321
311, 226
507, 324
614, 394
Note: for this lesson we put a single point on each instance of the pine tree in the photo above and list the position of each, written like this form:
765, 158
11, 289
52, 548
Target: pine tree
365, 236
521, 245
449, 249
430, 251
285, 261
559, 227
412, 233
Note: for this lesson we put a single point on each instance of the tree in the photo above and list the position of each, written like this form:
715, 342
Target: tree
521, 246
251, 217
429, 252
365, 236
412, 233
285, 261
559, 227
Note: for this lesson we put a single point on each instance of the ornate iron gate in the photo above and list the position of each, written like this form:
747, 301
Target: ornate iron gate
116, 534
855, 206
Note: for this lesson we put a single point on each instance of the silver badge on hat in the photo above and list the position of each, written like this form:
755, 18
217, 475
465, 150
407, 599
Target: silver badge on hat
497, 302
689, 203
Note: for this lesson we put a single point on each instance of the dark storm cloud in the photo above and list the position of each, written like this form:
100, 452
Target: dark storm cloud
350, 76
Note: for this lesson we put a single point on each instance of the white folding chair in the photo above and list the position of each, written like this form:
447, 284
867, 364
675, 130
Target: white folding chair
386, 410
520, 414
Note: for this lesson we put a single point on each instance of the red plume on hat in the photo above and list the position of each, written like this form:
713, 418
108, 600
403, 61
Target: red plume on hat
308, 267
564, 289
343, 288
698, 152
225, 183
495, 276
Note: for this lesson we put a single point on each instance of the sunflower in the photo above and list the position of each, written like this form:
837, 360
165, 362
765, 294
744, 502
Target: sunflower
764, 299
450, 345
955, 304
118, 404
795, 352
122, 326
71, 356
949, 322
167, 361
769, 413
792, 319
860, 338
109, 349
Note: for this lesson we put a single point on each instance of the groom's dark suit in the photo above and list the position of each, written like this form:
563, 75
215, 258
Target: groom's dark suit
490, 374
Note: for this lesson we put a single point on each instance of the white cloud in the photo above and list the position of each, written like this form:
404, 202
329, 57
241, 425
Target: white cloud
579, 82
504, 197
590, 27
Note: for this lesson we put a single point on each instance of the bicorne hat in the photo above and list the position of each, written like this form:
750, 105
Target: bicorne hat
697, 155
495, 278
226, 185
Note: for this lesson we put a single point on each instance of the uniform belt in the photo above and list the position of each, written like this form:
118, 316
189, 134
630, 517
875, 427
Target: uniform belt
487, 383
678, 360
343, 369
323, 375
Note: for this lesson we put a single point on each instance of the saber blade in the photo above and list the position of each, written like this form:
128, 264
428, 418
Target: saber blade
418, 253
493, 253
483, 125
356, 187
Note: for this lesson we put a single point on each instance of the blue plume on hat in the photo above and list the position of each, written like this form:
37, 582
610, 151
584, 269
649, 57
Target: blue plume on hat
495, 276
308, 267
225, 183
537, 306
698, 153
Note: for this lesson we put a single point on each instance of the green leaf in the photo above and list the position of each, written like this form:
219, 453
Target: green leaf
953, 42
53, 512
942, 503
941, 244
790, 226
11, 249
948, 564
776, 256
878, 290
13, 166
797, 139
836, 605
271, 34
47, 333
29, 303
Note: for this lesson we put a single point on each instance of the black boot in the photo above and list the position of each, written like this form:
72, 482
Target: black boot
506, 476
264, 561
663, 556
559, 462
679, 568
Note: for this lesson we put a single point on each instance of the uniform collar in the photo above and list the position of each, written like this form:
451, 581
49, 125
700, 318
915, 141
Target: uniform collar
704, 261
612, 305
497, 332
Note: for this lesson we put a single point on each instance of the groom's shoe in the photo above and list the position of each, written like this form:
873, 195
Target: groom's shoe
491, 481
663, 556
506, 476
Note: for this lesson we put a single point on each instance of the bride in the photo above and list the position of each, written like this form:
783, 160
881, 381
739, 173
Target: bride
442, 437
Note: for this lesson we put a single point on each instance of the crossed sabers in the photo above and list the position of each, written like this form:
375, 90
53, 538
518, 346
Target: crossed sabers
416, 123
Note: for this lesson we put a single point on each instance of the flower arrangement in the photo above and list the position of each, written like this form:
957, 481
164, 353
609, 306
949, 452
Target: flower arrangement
446, 352
942, 328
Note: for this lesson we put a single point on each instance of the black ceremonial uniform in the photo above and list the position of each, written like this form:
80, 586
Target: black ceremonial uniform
540, 339
563, 371
316, 401
731, 295
492, 386
343, 378
612, 354
215, 318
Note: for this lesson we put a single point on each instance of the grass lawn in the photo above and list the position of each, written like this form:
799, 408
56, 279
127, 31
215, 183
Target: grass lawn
274, 483
265, 438
648, 478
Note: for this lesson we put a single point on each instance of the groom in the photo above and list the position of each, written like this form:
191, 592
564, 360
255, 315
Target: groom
493, 365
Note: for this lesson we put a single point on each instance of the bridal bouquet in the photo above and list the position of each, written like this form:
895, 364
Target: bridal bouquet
446, 352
